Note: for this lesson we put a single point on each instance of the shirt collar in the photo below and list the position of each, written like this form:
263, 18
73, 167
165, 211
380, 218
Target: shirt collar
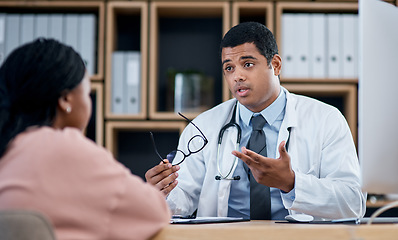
271, 113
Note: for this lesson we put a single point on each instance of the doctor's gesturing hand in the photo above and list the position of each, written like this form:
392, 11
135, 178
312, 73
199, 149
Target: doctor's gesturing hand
163, 176
271, 172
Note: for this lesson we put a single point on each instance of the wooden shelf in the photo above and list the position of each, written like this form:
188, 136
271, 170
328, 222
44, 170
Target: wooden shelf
96, 7
310, 7
114, 127
177, 36
177, 33
131, 145
319, 80
95, 129
136, 38
340, 92
253, 11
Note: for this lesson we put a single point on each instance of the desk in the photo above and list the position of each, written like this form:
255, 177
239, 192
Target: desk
254, 230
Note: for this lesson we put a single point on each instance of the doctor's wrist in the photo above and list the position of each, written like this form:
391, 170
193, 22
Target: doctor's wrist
289, 184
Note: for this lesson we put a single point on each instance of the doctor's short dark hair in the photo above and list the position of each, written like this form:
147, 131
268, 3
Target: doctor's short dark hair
32, 79
251, 32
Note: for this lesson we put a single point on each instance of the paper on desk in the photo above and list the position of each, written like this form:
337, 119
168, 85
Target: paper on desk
206, 220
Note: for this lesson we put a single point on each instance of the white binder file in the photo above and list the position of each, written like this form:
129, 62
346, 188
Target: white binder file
27, 28
334, 48
349, 44
12, 33
41, 26
2, 37
56, 27
356, 47
302, 45
87, 41
317, 59
117, 82
288, 47
133, 82
71, 26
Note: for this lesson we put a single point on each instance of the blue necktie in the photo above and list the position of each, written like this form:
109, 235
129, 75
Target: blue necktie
260, 201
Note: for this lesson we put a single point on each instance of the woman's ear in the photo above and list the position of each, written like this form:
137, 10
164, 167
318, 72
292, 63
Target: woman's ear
64, 103
276, 64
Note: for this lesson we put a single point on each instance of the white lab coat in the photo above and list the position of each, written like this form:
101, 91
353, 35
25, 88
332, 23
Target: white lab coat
323, 157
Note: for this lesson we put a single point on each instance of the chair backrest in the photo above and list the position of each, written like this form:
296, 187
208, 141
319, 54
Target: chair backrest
25, 225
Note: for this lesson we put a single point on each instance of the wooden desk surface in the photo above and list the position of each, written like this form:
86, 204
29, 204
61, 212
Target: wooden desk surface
254, 230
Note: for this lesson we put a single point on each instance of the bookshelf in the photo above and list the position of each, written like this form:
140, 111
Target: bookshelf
313, 7
95, 128
262, 12
46, 9
177, 33
180, 36
66, 7
341, 91
131, 144
127, 30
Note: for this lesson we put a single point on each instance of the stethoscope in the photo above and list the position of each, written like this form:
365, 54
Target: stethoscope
232, 124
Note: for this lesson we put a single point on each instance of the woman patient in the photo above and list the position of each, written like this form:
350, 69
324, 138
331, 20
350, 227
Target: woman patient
48, 165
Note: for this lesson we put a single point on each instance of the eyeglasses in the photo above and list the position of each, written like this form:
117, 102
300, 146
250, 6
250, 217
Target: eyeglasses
195, 144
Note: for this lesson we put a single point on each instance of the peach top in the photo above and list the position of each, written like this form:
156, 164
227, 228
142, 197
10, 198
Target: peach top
79, 186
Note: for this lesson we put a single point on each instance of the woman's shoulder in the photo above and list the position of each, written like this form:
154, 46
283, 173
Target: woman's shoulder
67, 141
51, 136
52, 152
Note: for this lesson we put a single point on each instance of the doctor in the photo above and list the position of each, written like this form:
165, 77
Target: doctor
311, 168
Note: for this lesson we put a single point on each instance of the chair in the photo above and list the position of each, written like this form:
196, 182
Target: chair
25, 225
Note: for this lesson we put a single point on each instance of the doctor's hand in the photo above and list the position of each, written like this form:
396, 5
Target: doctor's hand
163, 176
271, 172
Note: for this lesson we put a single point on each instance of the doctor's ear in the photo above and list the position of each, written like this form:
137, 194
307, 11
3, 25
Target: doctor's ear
276, 64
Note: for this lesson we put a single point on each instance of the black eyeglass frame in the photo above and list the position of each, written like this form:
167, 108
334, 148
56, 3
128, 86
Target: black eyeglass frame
202, 136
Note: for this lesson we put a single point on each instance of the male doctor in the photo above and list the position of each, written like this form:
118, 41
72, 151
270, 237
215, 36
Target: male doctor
311, 164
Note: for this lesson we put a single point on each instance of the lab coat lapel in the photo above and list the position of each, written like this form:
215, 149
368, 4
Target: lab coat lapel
287, 131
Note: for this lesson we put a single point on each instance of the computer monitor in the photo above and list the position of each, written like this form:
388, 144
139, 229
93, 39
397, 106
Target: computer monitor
378, 96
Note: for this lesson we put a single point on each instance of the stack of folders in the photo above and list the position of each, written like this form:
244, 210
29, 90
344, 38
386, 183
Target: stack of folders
126, 82
316, 45
75, 30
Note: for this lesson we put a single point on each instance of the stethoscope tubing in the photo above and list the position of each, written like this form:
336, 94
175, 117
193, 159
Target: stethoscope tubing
232, 123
